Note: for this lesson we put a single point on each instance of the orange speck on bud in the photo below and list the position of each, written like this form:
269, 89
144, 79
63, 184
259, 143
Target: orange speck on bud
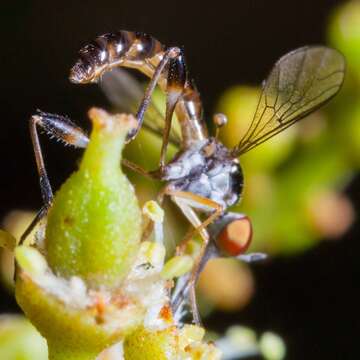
166, 313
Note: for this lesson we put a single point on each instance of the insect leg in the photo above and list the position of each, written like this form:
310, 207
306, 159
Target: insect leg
189, 285
186, 201
138, 169
195, 221
38, 217
176, 79
175, 85
145, 102
45, 187
62, 129
192, 200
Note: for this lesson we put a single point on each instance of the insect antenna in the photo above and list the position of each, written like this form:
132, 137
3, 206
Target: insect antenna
219, 121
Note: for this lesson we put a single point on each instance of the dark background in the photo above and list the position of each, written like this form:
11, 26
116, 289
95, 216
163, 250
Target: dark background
310, 300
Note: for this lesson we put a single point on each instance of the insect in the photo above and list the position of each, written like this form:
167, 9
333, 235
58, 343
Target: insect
204, 178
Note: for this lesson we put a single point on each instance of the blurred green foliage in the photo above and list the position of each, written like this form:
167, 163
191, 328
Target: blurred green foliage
19, 340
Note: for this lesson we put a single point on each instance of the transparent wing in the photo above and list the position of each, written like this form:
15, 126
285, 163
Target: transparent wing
300, 82
125, 93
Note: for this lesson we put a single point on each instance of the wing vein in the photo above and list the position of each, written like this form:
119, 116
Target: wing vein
299, 83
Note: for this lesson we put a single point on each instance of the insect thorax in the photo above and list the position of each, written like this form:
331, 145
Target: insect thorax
206, 169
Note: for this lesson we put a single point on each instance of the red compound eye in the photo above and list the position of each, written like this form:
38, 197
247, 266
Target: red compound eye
236, 236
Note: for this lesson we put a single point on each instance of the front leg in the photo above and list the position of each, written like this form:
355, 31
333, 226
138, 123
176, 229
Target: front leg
64, 130
173, 63
186, 202
175, 85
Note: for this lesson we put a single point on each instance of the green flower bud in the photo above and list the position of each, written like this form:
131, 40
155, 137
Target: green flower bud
94, 225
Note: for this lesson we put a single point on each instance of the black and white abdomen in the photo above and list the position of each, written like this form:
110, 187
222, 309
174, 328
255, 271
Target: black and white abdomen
207, 170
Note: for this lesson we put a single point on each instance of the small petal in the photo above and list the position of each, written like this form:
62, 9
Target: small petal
177, 266
30, 260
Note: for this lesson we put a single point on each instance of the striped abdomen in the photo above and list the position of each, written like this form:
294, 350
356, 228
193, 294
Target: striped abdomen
142, 52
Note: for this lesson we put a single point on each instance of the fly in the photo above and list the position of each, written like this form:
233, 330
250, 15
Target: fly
204, 178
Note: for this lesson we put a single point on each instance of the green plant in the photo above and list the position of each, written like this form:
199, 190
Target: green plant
86, 281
